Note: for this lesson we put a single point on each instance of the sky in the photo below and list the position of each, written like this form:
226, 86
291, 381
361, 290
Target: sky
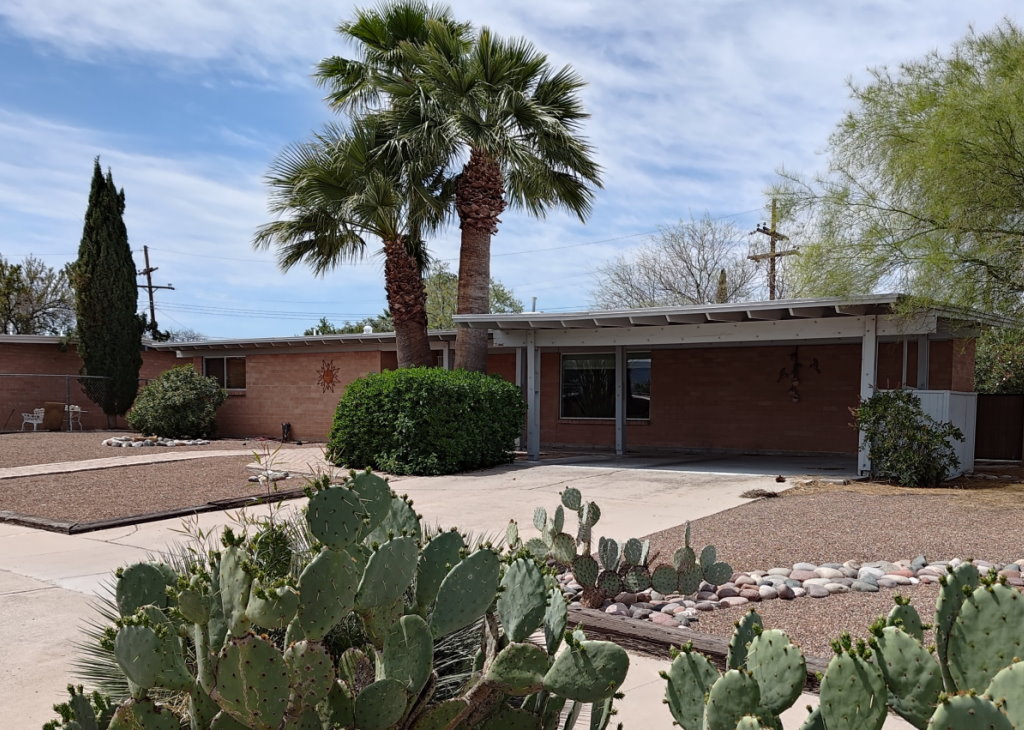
694, 108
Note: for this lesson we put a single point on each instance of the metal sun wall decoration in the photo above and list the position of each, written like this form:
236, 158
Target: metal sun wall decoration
327, 376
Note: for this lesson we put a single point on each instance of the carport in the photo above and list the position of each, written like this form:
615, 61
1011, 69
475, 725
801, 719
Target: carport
775, 377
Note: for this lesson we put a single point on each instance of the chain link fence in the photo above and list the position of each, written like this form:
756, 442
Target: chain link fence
30, 402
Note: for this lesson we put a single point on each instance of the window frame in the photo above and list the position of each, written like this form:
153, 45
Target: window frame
639, 354
224, 364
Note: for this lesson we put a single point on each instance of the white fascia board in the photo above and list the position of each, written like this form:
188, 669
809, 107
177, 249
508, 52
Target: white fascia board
762, 332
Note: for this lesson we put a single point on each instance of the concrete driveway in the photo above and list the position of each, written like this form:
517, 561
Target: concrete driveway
48, 580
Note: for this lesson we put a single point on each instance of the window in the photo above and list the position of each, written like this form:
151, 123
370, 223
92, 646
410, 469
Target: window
229, 372
588, 385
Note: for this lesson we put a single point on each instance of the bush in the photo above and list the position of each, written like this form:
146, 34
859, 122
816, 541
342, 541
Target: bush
426, 421
905, 445
181, 403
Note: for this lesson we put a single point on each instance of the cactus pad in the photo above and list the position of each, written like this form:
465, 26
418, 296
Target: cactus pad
637, 579
779, 669
140, 585
401, 519
558, 520
853, 694
312, 673
252, 682
585, 570
608, 553
708, 557
664, 579
588, 671
335, 517
911, 675
440, 716
609, 582
151, 660
632, 552
563, 548
143, 715
375, 496
381, 705
327, 589
690, 678
734, 695
907, 618
986, 636
388, 572
465, 593
540, 518
235, 582
718, 573
589, 514
689, 581
684, 559
571, 498
519, 669
968, 712
556, 616
438, 556
522, 601
947, 608
743, 634
408, 653
274, 609
1005, 691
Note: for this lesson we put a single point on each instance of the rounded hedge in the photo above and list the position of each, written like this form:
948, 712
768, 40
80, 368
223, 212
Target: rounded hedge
426, 421
179, 404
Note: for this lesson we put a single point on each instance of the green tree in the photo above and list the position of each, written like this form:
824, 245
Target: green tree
999, 361
343, 186
924, 191
106, 297
503, 121
442, 294
380, 323
690, 262
35, 299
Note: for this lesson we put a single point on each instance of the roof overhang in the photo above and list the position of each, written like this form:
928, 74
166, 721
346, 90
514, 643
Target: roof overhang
786, 320
319, 343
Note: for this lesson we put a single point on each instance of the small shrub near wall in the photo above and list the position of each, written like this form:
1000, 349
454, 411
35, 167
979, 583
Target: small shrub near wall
905, 445
426, 421
181, 403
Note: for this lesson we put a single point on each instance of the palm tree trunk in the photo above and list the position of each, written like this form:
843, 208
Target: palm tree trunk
407, 300
479, 199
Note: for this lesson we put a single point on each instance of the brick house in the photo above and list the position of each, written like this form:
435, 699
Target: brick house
754, 377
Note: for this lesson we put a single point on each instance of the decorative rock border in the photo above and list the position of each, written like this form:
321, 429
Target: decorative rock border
142, 441
800, 580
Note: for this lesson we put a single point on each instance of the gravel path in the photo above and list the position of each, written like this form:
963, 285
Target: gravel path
131, 490
24, 448
836, 526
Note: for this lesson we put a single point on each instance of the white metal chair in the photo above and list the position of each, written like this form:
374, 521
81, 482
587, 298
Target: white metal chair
35, 418
74, 417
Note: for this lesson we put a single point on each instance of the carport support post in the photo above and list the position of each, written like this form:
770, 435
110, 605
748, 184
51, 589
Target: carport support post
620, 401
532, 397
868, 365
923, 361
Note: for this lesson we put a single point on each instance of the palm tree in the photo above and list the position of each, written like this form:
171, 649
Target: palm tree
343, 186
505, 123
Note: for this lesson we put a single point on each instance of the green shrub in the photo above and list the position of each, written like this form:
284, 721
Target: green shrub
181, 403
426, 421
905, 445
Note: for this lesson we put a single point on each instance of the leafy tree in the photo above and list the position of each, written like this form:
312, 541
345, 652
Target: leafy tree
692, 262
106, 296
35, 299
185, 334
924, 190
442, 292
503, 121
343, 186
381, 323
999, 362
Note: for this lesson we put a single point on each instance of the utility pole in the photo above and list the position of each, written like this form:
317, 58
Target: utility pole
150, 287
773, 237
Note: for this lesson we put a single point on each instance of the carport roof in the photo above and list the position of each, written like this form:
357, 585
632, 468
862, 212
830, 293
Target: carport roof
777, 310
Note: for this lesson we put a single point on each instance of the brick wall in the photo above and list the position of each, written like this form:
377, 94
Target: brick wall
283, 387
23, 394
733, 399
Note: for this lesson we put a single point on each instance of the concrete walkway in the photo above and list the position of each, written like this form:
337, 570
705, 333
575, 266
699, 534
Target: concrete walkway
48, 581
107, 462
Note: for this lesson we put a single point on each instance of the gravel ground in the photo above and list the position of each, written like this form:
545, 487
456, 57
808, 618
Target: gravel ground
838, 524
132, 490
24, 448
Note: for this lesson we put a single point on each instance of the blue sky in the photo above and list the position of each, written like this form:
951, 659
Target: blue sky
694, 107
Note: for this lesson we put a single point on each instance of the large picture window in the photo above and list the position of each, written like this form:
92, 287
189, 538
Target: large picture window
588, 385
229, 372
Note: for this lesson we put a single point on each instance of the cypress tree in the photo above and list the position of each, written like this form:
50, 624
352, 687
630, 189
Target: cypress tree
106, 300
